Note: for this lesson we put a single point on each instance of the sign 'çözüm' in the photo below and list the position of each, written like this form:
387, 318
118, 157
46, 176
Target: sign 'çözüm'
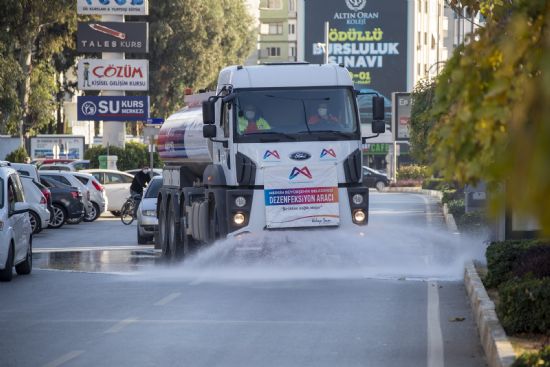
97, 74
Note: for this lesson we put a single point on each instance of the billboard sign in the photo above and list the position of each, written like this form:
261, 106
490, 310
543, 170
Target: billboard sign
97, 74
113, 37
57, 147
112, 7
401, 112
369, 37
113, 108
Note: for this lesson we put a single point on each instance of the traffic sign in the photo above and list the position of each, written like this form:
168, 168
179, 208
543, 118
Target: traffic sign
154, 121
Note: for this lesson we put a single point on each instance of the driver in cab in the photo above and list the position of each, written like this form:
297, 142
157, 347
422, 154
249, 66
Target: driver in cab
250, 120
322, 116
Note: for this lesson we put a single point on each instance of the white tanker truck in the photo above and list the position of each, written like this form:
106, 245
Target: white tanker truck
276, 147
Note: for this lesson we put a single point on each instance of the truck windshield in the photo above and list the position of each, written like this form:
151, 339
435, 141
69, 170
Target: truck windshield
295, 114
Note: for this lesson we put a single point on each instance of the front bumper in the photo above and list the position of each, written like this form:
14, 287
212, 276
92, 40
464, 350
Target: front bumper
255, 212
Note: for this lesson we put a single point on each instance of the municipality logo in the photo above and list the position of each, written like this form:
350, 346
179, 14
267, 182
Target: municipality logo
89, 108
271, 153
328, 153
300, 171
356, 5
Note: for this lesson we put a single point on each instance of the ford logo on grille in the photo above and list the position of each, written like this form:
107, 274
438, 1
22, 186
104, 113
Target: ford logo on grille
300, 156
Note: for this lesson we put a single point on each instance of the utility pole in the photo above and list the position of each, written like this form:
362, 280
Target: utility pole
326, 43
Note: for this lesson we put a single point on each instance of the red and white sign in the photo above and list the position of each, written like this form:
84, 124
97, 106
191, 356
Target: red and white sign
97, 74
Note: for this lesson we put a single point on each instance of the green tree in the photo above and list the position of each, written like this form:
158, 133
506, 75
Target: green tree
191, 41
421, 120
19, 155
491, 105
32, 32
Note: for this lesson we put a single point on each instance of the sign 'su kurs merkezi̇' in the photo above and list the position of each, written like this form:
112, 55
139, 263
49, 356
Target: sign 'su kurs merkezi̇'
113, 37
368, 36
107, 108
96, 74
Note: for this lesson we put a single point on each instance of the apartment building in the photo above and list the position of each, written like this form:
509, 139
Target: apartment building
277, 41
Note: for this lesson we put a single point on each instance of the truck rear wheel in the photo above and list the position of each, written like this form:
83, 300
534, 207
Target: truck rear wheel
162, 237
175, 246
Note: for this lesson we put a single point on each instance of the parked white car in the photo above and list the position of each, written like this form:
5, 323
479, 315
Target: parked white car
116, 184
15, 226
68, 179
147, 221
39, 214
25, 169
57, 167
98, 197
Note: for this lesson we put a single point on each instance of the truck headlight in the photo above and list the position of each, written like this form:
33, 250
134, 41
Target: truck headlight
240, 201
149, 213
239, 219
357, 199
359, 216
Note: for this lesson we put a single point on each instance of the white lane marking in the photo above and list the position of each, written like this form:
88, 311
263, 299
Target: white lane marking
435, 337
169, 298
120, 325
91, 248
64, 358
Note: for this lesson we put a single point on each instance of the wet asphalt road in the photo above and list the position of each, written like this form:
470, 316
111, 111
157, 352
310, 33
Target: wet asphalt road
385, 297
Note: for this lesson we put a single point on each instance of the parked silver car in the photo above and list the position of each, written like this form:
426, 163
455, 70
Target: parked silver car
147, 221
39, 214
98, 196
68, 179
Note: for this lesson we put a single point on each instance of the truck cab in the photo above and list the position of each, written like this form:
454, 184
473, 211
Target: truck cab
276, 147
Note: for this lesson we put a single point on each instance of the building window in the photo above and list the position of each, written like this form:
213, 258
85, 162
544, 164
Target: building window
273, 51
271, 28
291, 5
292, 51
418, 69
292, 28
419, 6
426, 6
425, 38
274, 4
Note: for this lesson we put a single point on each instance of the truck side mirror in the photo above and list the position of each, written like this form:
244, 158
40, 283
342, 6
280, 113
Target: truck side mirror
378, 108
208, 112
378, 114
209, 131
378, 127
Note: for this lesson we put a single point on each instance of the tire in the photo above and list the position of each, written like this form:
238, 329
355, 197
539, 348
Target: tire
115, 213
25, 267
73, 221
142, 240
93, 214
127, 213
162, 236
7, 274
59, 216
177, 248
36, 222
380, 185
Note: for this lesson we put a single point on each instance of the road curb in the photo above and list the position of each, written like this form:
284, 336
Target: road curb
497, 347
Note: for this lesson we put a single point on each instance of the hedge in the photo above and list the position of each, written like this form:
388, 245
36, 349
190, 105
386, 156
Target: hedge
540, 359
472, 221
524, 305
436, 184
413, 172
501, 257
133, 155
456, 208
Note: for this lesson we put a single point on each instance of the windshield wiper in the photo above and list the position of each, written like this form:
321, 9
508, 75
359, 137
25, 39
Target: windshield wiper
339, 133
288, 136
